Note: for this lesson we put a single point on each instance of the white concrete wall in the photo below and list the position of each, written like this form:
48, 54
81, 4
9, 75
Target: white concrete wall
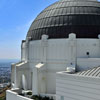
88, 45
87, 63
10, 95
58, 49
23, 71
12, 73
57, 54
74, 87
19, 71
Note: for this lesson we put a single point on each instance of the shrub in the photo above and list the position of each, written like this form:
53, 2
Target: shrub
36, 97
29, 93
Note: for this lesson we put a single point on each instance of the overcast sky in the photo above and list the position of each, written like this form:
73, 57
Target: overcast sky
15, 18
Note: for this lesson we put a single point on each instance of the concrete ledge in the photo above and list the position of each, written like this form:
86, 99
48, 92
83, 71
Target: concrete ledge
11, 95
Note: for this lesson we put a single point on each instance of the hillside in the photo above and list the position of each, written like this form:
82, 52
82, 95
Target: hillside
3, 93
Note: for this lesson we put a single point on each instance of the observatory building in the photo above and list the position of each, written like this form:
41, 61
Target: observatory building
60, 56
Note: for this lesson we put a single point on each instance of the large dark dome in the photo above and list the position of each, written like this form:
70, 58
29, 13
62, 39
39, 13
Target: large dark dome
68, 16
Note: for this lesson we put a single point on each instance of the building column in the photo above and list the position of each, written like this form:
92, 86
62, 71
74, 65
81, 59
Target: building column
24, 82
72, 50
15, 78
35, 81
23, 51
27, 48
44, 45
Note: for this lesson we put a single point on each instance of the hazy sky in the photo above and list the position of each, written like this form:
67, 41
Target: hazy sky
15, 19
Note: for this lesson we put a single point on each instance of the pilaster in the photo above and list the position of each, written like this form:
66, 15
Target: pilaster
35, 81
72, 49
44, 45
